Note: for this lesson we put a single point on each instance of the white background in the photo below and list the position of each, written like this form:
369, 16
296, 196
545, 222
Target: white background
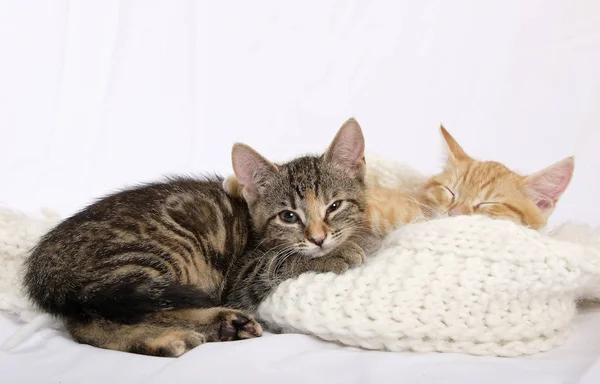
95, 95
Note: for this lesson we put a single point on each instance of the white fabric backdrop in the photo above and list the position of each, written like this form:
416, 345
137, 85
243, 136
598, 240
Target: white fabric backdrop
98, 94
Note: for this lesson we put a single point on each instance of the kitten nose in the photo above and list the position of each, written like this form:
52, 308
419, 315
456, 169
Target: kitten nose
317, 238
458, 211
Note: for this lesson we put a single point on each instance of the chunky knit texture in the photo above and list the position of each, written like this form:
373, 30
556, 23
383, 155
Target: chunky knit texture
465, 284
18, 234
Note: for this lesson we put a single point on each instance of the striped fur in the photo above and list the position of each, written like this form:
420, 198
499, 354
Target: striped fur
162, 268
467, 186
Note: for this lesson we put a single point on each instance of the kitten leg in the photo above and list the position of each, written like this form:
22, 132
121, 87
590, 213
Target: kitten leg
260, 275
217, 324
167, 333
349, 255
142, 338
346, 256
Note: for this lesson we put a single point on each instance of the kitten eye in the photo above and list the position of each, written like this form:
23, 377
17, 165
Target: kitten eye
334, 206
481, 205
449, 190
288, 217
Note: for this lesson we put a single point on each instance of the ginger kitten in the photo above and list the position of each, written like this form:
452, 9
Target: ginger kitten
466, 186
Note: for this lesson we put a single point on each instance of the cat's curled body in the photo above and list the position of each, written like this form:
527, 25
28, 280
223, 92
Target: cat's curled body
162, 268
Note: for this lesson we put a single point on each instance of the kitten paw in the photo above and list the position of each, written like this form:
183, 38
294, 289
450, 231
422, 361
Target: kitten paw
353, 255
232, 186
350, 256
334, 264
238, 326
175, 343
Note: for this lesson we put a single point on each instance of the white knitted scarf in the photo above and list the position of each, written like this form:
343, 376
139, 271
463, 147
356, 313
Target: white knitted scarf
465, 284
468, 284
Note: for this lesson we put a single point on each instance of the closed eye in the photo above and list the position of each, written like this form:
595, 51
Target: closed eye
449, 190
486, 203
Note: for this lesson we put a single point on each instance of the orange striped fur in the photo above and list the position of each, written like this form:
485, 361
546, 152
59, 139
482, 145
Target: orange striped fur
467, 186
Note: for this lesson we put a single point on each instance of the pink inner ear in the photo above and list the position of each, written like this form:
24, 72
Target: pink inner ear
349, 152
544, 204
249, 167
550, 183
348, 146
242, 161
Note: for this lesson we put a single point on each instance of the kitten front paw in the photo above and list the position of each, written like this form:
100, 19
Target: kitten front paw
353, 255
350, 256
333, 264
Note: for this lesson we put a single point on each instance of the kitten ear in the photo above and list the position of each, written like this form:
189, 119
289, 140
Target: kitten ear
251, 169
455, 152
547, 185
348, 149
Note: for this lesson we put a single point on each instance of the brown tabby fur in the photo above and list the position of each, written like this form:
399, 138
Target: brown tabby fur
162, 268
466, 186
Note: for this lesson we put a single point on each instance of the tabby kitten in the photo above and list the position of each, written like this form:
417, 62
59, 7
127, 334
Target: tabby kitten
161, 268
465, 186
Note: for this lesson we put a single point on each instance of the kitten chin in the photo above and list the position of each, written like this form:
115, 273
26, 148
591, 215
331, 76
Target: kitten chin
164, 267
